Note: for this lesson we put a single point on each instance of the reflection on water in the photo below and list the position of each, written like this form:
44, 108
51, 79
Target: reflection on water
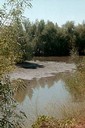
25, 87
46, 96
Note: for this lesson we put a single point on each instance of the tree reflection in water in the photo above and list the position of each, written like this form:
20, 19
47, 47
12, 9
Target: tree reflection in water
58, 95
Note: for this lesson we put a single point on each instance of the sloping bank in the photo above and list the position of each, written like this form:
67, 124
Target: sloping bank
30, 70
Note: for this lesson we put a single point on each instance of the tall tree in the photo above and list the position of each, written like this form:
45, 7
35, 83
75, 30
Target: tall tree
80, 38
9, 33
11, 14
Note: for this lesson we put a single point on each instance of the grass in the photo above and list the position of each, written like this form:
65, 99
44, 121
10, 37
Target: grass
76, 82
76, 85
50, 122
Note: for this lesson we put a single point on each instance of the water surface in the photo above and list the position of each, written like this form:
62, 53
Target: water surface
47, 96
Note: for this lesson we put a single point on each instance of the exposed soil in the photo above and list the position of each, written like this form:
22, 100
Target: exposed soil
32, 69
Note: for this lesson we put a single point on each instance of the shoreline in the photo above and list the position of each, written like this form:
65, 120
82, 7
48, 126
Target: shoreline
43, 69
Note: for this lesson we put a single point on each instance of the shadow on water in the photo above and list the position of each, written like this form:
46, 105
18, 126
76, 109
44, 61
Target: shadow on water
29, 65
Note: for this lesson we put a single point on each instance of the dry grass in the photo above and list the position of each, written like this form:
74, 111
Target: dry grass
76, 85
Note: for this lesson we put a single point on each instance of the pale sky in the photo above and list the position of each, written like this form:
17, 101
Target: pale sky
57, 11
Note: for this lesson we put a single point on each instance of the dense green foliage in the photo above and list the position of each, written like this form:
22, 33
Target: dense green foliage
11, 42
49, 39
22, 39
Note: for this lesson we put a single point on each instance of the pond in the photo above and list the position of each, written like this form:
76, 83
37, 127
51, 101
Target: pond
51, 96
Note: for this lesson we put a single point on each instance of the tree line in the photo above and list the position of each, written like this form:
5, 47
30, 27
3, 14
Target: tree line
25, 39
49, 39
20, 39
45, 39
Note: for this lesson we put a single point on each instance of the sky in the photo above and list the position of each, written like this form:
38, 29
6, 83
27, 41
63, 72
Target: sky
57, 11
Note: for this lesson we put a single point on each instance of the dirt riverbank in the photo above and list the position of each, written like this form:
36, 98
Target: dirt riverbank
38, 69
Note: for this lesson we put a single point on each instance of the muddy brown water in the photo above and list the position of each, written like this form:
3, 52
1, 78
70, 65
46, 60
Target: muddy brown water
47, 96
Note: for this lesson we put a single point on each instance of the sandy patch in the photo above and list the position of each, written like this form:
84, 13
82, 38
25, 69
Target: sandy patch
49, 68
